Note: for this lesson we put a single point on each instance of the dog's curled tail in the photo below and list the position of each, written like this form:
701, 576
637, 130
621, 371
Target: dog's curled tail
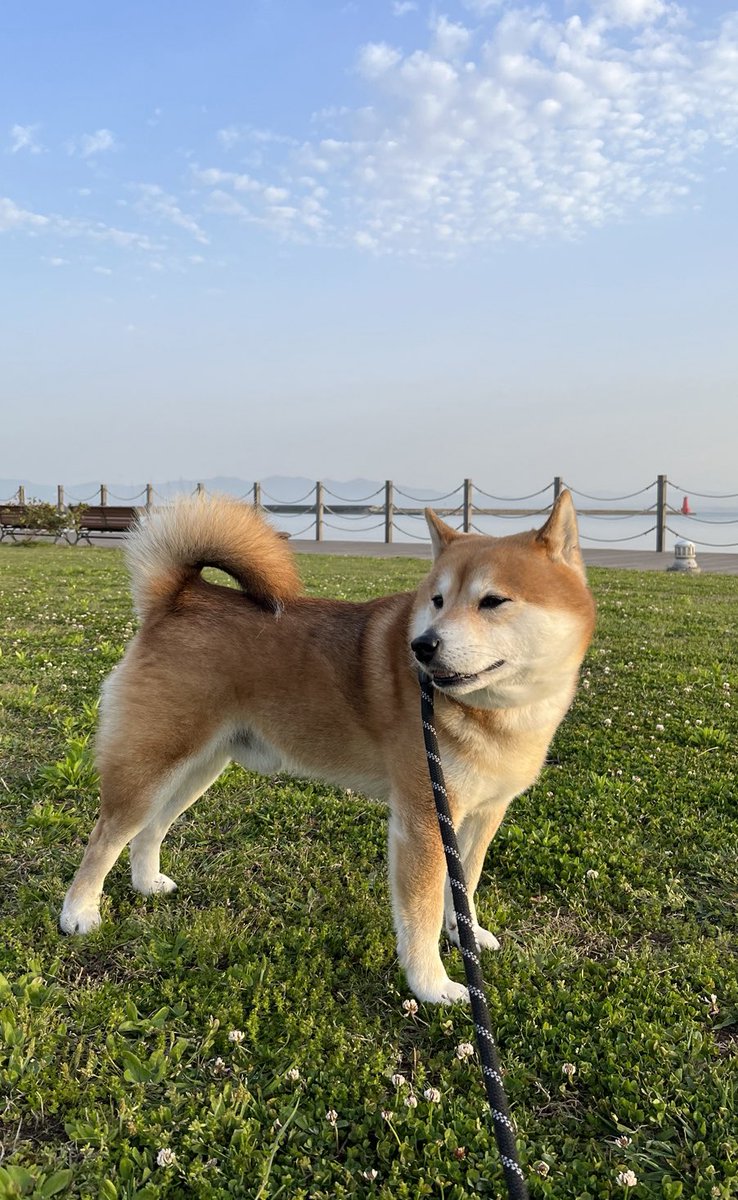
169, 547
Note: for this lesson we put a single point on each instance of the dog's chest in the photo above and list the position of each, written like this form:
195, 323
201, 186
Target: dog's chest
484, 769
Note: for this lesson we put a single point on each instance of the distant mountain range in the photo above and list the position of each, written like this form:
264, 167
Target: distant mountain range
287, 489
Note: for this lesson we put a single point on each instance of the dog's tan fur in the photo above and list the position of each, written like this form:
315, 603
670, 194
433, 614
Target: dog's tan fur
277, 680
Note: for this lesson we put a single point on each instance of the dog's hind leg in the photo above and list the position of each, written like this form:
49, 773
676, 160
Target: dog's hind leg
417, 875
139, 801
474, 836
186, 785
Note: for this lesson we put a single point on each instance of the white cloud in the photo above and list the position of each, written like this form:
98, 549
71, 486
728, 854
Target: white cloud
154, 201
13, 217
228, 137
631, 12
529, 126
449, 39
376, 58
23, 137
94, 143
401, 8
482, 8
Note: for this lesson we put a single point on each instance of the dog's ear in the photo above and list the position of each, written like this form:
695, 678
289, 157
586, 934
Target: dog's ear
441, 533
560, 536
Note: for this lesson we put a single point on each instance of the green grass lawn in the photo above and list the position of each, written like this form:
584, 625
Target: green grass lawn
223, 1023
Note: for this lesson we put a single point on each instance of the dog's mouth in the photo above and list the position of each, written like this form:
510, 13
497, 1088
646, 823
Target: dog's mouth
457, 680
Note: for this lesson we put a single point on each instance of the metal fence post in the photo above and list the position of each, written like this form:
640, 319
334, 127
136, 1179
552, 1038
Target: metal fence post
257, 495
103, 494
661, 485
60, 497
319, 512
467, 505
389, 510
557, 487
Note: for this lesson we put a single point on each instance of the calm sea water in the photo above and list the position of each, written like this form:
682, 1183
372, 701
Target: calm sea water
711, 529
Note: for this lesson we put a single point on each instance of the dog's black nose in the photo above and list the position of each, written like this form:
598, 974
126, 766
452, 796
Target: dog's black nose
425, 646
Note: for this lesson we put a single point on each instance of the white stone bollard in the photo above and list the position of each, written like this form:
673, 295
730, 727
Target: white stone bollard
685, 558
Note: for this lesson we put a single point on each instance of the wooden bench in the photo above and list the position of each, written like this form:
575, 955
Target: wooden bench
105, 518
10, 515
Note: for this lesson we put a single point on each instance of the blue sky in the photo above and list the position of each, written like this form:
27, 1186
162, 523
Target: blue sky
387, 239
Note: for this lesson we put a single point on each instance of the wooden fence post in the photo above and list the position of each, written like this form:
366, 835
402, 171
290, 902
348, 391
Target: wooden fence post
557, 487
389, 510
149, 495
467, 505
661, 513
319, 512
103, 494
60, 497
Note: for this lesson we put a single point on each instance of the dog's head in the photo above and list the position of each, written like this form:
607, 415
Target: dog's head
504, 622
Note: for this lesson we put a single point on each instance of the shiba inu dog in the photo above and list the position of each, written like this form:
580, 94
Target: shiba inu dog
276, 681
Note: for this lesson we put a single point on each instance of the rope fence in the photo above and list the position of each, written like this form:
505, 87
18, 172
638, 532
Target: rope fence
394, 510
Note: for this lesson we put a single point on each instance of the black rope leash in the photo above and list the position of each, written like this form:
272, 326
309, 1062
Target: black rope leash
503, 1126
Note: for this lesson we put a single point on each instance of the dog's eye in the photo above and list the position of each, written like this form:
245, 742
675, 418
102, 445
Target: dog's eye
437, 601
492, 601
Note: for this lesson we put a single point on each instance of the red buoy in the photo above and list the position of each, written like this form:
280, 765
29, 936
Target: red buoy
686, 510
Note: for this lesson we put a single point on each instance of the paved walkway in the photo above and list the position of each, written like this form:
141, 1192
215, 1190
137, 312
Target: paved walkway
637, 560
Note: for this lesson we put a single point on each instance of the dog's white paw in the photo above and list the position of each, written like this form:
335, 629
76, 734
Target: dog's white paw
452, 993
79, 918
485, 939
441, 990
157, 885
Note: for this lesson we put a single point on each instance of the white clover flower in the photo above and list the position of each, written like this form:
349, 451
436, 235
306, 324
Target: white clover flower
237, 1036
622, 1141
568, 1069
410, 1007
542, 1169
387, 1114
464, 1050
398, 1080
607, 721
659, 728
592, 873
711, 1000
166, 1158
370, 1175
411, 1101
293, 1074
626, 1178
219, 1067
331, 1116
432, 1095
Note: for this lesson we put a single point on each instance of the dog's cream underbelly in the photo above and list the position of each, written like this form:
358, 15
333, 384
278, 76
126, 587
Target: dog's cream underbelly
252, 751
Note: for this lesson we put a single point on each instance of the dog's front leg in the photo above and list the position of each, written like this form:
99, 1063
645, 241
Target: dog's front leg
417, 877
474, 836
